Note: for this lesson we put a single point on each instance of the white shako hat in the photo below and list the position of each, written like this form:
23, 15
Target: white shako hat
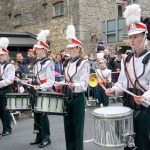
3, 45
132, 16
41, 37
72, 41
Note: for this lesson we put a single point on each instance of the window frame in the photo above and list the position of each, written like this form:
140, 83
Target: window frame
17, 20
58, 4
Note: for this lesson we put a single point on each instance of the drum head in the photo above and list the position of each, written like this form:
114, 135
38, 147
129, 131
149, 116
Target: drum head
112, 112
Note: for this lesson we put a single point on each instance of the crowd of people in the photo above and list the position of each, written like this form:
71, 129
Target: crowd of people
69, 73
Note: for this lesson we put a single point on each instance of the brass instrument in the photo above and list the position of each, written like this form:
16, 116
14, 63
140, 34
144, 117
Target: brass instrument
93, 80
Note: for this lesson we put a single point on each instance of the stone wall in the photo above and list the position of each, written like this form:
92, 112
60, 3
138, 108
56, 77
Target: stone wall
86, 15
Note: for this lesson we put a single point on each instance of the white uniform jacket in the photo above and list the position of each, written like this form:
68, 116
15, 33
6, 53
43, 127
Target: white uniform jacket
45, 74
144, 80
81, 76
103, 74
7, 75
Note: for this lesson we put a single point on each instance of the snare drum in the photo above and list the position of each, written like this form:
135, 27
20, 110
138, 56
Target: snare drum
50, 103
18, 101
111, 125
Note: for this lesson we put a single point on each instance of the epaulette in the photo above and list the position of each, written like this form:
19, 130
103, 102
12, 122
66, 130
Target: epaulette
66, 63
146, 59
44, 61
129, 57
79, 62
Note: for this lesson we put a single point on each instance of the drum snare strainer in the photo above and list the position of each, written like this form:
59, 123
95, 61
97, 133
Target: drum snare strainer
113, 126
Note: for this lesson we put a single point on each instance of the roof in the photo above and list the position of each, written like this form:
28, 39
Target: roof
20, 39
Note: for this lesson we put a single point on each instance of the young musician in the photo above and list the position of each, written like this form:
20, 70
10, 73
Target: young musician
44, 76
104, 77
135, 77
76, 72
7, 76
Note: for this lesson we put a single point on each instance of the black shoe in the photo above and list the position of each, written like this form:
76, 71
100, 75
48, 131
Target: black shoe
44, 143
6, 133
36, 141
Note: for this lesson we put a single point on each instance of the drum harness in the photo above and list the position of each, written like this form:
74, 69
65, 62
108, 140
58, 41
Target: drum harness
134, 90
34, 80
130, 136
5, 63
65, 89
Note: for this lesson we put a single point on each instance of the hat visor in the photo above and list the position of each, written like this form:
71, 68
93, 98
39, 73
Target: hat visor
72, 45
3, 53
39, 46
135, 32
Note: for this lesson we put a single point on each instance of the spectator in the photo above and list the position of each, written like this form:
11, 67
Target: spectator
116, 69
109, 59
21, 63
30, 55
100, 47
58, 68
66, 56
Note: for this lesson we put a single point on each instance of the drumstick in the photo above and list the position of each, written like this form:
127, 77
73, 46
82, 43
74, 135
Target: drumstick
62, 83
30, 84
132, 94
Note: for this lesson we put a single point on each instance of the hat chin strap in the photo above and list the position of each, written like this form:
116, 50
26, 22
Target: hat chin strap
141, 43
4, 58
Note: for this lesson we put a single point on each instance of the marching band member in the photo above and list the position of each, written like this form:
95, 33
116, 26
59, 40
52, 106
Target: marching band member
76, 72
104, 77
44, 73
7, 76
135, 76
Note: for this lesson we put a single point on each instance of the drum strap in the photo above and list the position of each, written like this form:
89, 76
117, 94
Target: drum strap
130, 70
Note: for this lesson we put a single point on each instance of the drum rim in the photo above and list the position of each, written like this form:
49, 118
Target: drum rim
109, 116
50, 93
18, 94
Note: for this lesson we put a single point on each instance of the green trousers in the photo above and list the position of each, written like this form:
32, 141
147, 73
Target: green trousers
74, 122
102, 97
41, 123
4, 114
141, 120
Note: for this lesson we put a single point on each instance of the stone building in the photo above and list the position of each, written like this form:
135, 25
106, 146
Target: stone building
88, 16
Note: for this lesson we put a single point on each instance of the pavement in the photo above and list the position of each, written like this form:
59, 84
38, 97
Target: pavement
22, 133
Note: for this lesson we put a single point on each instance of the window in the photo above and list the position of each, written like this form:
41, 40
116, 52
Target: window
18, 20
133, 1
120, 10
58, 9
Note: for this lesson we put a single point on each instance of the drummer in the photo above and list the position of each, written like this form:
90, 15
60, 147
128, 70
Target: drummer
134, 76
44, 73
76, 72
7, 76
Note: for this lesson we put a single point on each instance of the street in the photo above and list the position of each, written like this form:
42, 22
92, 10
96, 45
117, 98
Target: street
22, 133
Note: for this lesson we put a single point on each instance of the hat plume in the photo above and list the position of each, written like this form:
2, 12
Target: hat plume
42, 35
70, 33
4, 42
132, 14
